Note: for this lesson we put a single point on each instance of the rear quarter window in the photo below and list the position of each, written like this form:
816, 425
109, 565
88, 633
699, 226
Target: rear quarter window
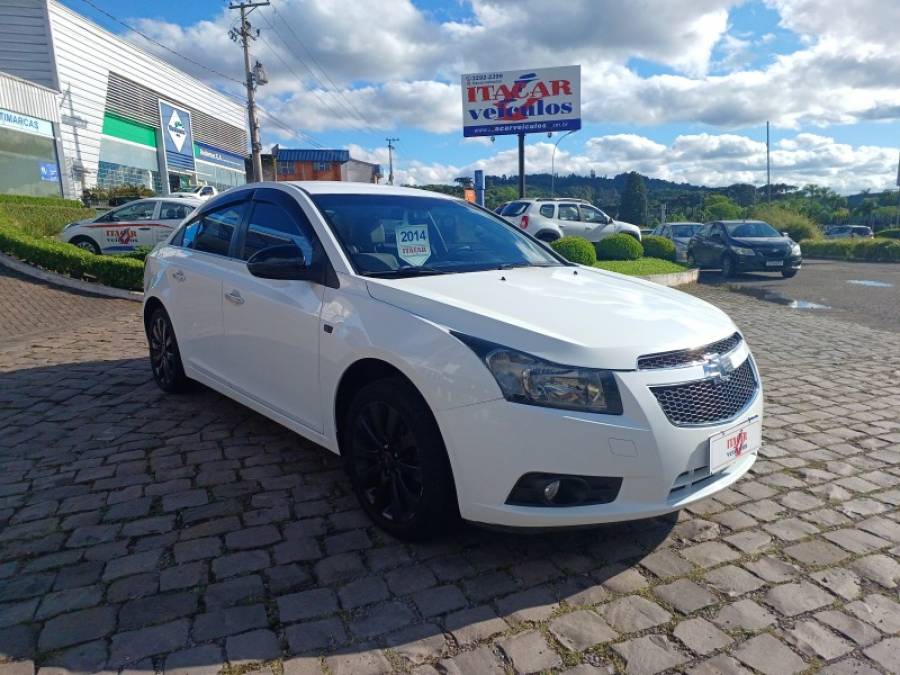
514, 209
547, 210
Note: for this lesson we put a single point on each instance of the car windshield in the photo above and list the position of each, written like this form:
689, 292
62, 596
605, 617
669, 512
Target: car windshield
684, 231
751, 229
399, 235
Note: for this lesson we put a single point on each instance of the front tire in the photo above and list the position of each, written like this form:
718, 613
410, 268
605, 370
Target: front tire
86, 244
165, 357
728, 267
396, 461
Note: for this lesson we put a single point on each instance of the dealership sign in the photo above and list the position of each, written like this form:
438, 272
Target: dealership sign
522, 101
25, 124
178, 140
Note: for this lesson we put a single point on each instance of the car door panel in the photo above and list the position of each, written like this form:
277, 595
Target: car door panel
595, 223
272, 326
569, 219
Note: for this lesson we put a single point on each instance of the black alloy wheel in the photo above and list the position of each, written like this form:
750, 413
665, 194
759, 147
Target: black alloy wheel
165, 359
396, 461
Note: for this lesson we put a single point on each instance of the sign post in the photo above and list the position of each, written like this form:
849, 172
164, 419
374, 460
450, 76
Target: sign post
521, 102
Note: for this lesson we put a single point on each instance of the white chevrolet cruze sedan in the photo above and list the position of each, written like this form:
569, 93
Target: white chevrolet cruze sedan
459, 366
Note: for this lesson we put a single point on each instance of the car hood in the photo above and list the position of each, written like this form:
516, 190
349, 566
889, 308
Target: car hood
572, 315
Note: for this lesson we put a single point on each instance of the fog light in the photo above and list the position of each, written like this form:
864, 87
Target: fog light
551, 489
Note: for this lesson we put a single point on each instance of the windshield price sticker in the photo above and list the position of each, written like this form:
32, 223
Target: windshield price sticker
413, 244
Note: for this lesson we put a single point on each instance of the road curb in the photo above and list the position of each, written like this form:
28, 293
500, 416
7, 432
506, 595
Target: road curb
675, 278
68, 282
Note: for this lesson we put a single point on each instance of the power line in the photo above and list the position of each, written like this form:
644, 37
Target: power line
281, 124
160, 44
335, 91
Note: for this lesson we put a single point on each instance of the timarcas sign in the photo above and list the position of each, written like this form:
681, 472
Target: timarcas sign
521, 101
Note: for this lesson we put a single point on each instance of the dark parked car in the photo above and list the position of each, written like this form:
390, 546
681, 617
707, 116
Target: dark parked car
735, 246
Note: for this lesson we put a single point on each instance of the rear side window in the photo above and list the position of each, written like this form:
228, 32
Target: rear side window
547, 210
514, 209
212, 233
271, 225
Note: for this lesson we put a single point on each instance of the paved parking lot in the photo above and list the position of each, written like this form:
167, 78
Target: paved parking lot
187, 534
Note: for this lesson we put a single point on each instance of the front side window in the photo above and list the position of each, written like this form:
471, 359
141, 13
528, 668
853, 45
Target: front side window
568, 212
138, 211
174, 211
394, 235
212, 232
271, 225
591, 215
751, 229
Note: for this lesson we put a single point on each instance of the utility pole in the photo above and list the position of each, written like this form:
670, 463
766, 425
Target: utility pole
522, 166
768, 167
254, 76
390, 142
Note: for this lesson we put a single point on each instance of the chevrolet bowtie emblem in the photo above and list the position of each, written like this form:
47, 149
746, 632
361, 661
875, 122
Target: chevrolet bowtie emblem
717, 367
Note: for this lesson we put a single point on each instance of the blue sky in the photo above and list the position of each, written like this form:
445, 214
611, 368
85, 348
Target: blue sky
681, 92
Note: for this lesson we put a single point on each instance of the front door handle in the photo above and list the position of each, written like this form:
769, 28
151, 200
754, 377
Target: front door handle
235, 297
178, 275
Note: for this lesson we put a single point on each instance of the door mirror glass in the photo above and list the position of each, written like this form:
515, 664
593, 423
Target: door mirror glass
284, 261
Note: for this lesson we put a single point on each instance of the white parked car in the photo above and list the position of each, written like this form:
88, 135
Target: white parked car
549, 219
143, 222
200, 192
458, 365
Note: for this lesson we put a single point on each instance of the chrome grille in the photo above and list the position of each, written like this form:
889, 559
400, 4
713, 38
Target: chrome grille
686, 357
709, 401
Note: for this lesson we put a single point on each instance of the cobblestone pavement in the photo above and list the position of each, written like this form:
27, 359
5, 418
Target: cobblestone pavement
147, 532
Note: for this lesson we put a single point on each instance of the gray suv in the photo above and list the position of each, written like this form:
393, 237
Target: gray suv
549, 219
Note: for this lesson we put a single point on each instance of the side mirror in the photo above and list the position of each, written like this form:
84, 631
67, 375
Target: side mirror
786, 234
608, 220
279, 262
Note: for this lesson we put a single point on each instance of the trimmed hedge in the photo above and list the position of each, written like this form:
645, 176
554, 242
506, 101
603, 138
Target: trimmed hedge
576, 250
872, 250
41, 220
658, 247
39, 201
71, 260
893, 233
619, 247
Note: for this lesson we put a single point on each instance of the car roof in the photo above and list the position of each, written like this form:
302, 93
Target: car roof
685, 222
741, 221
326, 187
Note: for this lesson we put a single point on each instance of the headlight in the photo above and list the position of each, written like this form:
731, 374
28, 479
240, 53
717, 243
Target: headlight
740, 250
795, 249
524, 378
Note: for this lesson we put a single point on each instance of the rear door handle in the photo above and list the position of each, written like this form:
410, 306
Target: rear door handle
235, 297
178, 275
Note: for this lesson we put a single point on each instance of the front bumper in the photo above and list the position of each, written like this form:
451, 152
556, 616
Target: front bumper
493, 444
758, 263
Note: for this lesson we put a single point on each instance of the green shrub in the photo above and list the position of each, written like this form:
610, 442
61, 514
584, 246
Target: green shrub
576, 250
39, 201
783, 219
873, 250
619, 247
41, 220
68, 259
658, 247
893, 233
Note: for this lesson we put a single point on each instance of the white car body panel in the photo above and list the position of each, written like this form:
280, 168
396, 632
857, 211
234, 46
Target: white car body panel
273, 354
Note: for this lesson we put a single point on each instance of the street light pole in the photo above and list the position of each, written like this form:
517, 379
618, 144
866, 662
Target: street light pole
390, 142
553, 162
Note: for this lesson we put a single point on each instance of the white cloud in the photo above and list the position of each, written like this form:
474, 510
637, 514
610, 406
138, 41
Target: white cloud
701, 159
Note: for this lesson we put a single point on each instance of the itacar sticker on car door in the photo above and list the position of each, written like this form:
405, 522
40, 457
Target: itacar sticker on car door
413, 244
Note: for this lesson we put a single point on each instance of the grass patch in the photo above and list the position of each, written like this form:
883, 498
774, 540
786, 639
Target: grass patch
641, 267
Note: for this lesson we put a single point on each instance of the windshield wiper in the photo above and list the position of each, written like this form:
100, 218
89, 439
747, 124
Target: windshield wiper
513, 265
407, 272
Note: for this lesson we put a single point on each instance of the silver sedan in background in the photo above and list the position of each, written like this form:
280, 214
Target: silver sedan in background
679, 234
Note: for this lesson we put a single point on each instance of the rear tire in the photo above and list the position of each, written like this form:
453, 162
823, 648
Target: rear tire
396, 461
86, 244
165, 357
547, 237
728, 266
690, 260
788, 274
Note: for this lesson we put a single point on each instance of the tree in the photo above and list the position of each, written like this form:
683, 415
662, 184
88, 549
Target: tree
633, 208
720, 207
743, 193
464, 181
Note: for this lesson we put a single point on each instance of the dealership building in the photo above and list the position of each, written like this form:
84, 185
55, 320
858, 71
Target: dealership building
82, 108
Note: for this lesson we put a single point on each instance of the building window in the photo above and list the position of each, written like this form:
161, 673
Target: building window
124, 163
219, 177
285, 168
28, 164
321, 166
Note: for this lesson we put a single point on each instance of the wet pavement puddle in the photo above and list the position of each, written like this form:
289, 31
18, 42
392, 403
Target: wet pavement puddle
779, 299
869, 283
